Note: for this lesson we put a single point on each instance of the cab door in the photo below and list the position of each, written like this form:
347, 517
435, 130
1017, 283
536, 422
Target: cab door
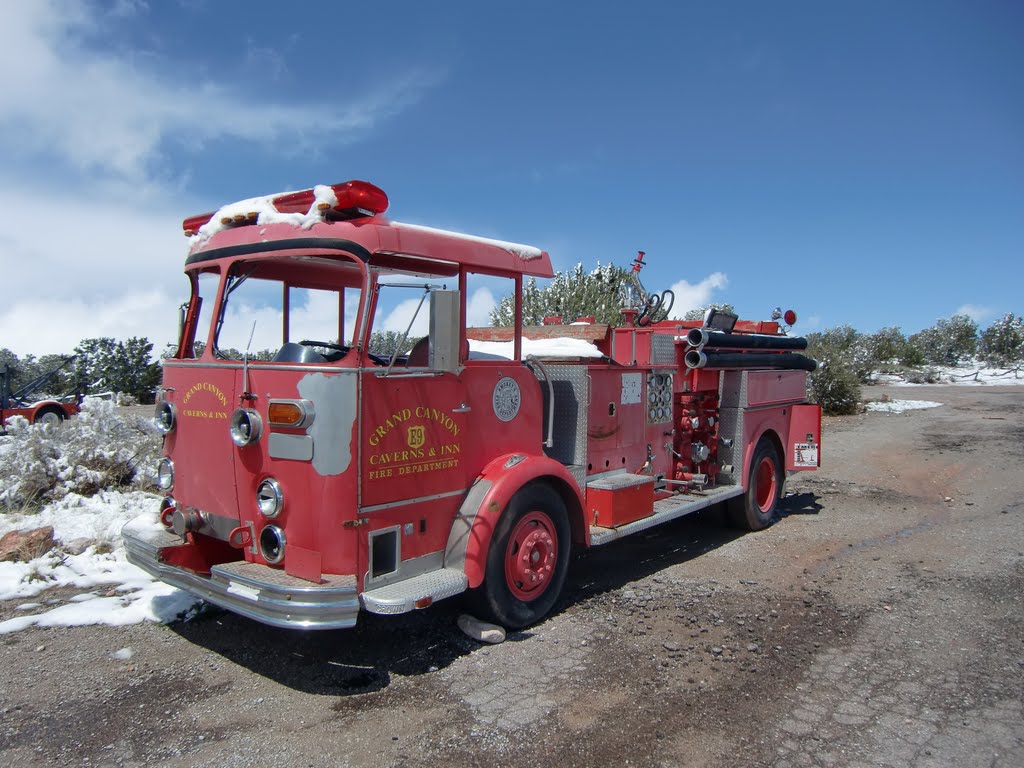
413, 441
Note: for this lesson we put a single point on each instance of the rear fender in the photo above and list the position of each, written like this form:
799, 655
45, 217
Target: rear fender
46, 405
470, 537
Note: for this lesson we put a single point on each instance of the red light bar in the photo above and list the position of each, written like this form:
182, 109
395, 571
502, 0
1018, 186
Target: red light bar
295, 202
360, 195
192, 224
354, 197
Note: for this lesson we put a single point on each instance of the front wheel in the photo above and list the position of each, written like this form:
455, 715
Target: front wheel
756, 508
528, 559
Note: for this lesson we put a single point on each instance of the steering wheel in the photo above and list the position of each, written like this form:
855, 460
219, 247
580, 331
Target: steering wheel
343, 348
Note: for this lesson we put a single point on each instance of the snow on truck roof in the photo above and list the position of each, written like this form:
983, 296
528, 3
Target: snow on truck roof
348, 213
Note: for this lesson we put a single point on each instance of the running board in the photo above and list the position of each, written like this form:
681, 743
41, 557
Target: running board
665, 510
418, 592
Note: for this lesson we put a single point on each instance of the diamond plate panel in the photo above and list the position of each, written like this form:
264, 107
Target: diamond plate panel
734, 389
615, 482
572, 393
730, 426
259, 575
579, 473
663, 349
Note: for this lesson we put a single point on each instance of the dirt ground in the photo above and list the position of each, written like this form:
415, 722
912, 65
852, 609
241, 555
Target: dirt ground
880, 622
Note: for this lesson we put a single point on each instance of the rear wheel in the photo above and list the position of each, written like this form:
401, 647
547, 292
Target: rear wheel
528, 560
756, 508
49, 416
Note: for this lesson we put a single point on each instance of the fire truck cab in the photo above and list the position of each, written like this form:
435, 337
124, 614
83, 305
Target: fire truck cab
331, 479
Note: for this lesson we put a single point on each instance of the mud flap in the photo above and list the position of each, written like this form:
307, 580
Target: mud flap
804, 448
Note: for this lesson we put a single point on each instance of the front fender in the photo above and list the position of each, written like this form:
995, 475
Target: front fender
470, 537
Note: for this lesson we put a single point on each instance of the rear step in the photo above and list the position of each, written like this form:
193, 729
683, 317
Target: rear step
665, 510
417, 592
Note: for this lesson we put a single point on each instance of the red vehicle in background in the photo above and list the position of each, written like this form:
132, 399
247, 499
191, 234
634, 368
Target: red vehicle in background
332, 479
20, 402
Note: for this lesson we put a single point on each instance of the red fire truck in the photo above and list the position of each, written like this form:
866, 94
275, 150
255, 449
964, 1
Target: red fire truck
332, 479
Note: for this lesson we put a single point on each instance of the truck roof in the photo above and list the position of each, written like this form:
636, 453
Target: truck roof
273, 225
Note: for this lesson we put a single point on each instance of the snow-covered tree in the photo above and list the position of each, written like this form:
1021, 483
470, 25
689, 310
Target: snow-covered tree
570, 295
1002, 343
697, 313
948, 342
118, 366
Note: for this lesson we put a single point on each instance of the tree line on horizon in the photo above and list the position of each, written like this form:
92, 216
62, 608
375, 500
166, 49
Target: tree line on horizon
847, 358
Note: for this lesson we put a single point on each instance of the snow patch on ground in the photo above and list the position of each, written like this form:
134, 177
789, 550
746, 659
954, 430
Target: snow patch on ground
900, 406
963, 375
114, 592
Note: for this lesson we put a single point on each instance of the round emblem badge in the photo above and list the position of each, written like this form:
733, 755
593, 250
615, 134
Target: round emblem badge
506, 399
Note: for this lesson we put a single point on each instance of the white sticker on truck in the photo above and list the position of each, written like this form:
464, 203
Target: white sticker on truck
241, 590
631, 388
805, 455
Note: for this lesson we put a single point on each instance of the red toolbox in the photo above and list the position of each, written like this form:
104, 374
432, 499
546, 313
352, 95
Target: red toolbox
619, 499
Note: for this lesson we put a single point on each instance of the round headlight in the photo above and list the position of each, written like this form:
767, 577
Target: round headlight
165, 474
269, 498
246, 426
166, 418
272, 544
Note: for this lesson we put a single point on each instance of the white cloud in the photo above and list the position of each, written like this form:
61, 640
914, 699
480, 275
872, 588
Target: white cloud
39, 325
400, 317
809, 323
479, 307
478, 312
100, 112
76, 268
977, 313
90, 244
693, 295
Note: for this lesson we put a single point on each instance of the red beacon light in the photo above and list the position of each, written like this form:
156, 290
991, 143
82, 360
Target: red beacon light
192, 224
354, 197
789, 317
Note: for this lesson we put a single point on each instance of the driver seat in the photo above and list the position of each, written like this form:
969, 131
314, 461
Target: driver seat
297, 353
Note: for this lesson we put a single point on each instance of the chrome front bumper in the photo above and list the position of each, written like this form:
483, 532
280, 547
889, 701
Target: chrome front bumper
259, 592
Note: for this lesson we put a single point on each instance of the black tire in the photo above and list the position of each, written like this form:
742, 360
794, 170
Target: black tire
528, 560
48, 416
756, 508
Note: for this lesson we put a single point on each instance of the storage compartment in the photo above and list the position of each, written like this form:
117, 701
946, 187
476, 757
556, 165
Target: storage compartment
775, 387
619, 499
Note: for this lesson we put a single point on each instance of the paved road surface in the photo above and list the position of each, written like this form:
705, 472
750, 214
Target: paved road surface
879, 623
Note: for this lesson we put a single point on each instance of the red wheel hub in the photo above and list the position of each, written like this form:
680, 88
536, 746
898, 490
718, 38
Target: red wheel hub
531, 556
767, 484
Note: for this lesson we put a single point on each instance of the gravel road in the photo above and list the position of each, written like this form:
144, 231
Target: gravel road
880, 622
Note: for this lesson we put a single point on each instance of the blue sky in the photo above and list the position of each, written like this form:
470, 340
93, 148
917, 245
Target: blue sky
861, 162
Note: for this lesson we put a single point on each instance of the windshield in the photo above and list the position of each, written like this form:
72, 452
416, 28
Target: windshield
269, 304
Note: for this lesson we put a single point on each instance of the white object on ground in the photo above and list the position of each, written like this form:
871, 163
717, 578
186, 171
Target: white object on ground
481, 631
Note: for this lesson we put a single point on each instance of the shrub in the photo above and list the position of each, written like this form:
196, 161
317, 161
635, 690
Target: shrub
948, 342
890, 348
923, 376
843, 364
836, 388
1002, 343
98, 450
